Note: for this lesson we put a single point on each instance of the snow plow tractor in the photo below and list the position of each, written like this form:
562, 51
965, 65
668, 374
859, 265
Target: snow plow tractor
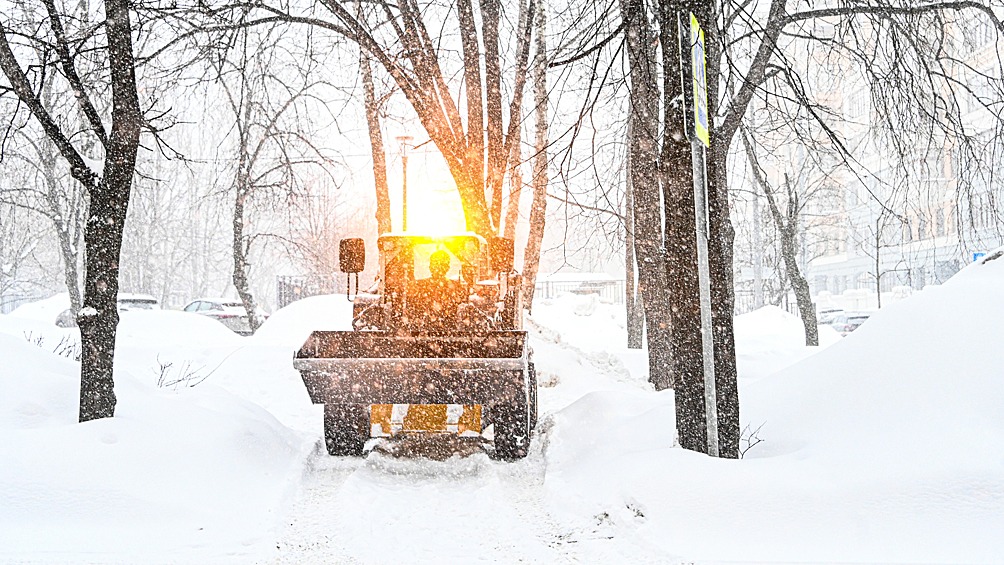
437, 347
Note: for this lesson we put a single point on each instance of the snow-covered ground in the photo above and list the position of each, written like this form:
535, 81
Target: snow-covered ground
884, 446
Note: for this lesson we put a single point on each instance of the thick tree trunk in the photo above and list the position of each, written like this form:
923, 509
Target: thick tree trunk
109, 205
538, 209
681, 246
99, 317
376, 145
474, 160
493, 102
720, 245
643, 146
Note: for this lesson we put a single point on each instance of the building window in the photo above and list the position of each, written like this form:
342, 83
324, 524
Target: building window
857, 106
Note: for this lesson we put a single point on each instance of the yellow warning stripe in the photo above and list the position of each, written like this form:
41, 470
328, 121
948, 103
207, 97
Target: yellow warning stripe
389, 419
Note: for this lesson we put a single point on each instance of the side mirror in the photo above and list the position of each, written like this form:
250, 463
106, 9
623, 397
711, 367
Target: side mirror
351, 255
502, 252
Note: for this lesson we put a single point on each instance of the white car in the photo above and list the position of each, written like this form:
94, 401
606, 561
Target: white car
827, 315
228, 312
848, 322
128, 302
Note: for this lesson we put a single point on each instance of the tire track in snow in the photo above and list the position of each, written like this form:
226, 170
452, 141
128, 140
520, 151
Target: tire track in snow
308, 535
383, 509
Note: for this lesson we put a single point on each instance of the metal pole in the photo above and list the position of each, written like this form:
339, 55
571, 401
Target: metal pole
704, 280
692, 63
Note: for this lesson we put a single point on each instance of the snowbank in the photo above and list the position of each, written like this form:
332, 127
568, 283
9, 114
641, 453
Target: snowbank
887, 446
884, 446
290, 326
196, 474
770, 339
43, 310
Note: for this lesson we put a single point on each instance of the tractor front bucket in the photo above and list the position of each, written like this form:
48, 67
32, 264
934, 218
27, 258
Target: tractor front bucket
375, 384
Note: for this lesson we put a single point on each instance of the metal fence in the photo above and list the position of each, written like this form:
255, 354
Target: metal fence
10, 303
608, 290
290, 288
745, 302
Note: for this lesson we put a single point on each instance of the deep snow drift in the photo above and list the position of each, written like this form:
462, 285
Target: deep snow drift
886, 445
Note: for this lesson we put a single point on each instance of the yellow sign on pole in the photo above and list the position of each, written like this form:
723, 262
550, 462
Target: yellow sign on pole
697, 60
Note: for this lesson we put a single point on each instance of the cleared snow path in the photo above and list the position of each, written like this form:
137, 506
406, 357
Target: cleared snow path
383, 509
471, 510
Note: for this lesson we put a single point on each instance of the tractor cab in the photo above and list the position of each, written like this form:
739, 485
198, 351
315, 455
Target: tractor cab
439, 284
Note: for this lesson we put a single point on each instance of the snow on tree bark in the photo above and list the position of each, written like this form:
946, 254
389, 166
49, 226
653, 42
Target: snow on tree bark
645, 180
109, 192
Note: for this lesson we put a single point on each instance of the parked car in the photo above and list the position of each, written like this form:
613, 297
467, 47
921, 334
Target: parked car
137, 302
126, 301
228, 312
827, 315
848, 322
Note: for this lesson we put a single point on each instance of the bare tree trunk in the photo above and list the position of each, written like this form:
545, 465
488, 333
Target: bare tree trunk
515, 191
878, 261
757, 254
789, 250
66, 208
635, 316
681, 245
242, 192
720, 244
376, 145
493, 103
240, 252
109, 205
787, 228
643, 146
514, 137
474, 160
538, 209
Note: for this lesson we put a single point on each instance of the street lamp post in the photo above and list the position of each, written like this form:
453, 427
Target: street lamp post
404, 140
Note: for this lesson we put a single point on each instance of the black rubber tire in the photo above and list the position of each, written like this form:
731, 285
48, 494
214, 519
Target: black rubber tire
512, 431
346, 428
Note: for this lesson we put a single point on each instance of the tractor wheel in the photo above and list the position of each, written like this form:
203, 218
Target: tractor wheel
512, 431
346, 428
